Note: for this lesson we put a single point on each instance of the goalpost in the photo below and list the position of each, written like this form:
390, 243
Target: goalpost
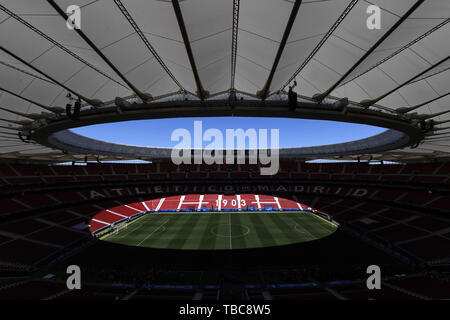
119, 226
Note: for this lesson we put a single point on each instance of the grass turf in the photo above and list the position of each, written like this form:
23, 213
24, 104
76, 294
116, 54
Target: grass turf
222, 230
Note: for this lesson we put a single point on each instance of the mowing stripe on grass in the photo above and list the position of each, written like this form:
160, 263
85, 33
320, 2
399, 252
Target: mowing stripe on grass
224, 230
196, 234
229, 226
208, 241
240, 233
263, 234
171, 230
185, 232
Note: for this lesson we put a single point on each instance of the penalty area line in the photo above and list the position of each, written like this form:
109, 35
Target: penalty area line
114, 235
148, 236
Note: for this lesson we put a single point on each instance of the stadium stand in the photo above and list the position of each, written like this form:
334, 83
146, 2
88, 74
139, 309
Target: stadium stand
384, 211
45, 218
382, 197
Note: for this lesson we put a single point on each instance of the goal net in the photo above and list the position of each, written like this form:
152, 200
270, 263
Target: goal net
119, 226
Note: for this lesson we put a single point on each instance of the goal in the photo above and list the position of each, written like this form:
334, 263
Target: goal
119, 226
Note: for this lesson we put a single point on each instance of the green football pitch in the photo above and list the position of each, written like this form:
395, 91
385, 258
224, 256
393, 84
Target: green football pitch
222, 230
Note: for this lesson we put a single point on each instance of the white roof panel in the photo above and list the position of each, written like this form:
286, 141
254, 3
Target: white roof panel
143, 41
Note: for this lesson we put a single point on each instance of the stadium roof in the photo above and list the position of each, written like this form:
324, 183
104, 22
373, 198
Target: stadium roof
148, 51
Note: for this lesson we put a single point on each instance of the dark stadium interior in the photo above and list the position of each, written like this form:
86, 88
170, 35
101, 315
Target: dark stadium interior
360, 217
336, 251
42, 204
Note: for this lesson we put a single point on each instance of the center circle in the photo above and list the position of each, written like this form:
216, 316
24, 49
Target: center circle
237, 230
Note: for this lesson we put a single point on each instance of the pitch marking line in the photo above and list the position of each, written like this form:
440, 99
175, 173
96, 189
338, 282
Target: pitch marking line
137, 227
328, 223
124, 231
323, 219
162, 225
297, 225
113, 235
213, 230
127, 232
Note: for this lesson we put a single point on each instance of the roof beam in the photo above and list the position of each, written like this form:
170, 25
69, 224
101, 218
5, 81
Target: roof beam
429, 116
28, 149
19, 145
408, 109
26, 72
442, 135
93, 102
19, 122
144, 39
9, 139
440, 25
265, 90
51, 109
320, 96
234, 35
437, 72
21, 114
369, 102
143, 96
10, 128
438, 140
200, 91
441, 122
431, 138
57, 44
441, 128
321, 43
9, 133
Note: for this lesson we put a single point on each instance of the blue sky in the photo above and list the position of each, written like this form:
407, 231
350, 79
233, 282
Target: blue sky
293, 132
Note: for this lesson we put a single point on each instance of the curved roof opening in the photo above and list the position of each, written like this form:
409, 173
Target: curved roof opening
293, 133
